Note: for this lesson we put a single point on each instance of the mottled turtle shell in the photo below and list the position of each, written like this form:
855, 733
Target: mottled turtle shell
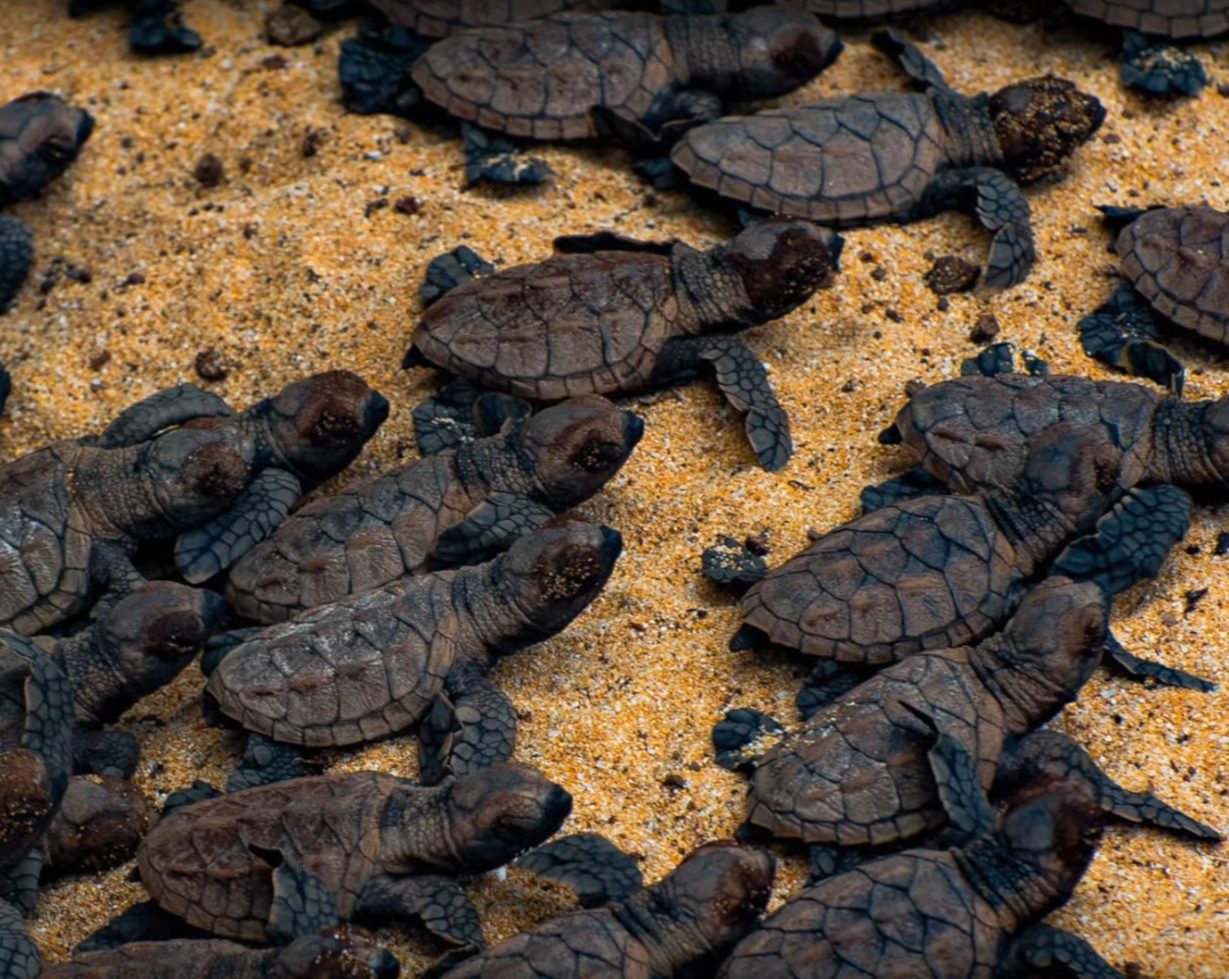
929, 573
201, 863
973, 432
1178, 260
573, 324
842, 161
439, 18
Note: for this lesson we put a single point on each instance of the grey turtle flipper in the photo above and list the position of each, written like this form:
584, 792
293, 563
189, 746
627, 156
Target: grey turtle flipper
1131, 542
19, 958
265, 762
909, 485
446, 272
1124, 333
492, 158
19, 883
1043, 949
1137, 668
672, 113
162, 409
731, 563
490, 527
827, 683
609, 241
737, 737
1055, 754
16, 257
143, 922
462, 412
113, 753
198, 791
439, 903
596, 869
1158, 67
1001, 208
918, 68
158, 28
255, 514
302, 905
471, 725
828, 860
969, 812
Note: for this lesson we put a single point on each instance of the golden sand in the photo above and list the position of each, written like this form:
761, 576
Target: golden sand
285, 271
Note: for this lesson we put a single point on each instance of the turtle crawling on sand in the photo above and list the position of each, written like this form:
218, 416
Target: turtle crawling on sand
452, 507
901, 156
280, 861
40, 137
613, 315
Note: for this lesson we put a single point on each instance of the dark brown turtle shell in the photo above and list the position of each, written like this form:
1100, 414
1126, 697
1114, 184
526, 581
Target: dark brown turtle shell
1178, 260
439, 18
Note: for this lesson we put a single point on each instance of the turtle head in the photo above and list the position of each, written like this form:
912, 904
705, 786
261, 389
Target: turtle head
317, 426
1056, 637
496, 813
343, 952
1040, 122
552, 574
719, 890
100, 823
192, 475
781, 263
575, 447
774, 50
1052, 825
40, 137
148, 637
26, 802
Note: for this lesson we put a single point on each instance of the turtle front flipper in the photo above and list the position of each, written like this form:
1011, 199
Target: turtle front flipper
439, 902
909, 485
253, 516
492, 158
158, 28
1131, 542
1000, 208
462, 412
827, 683
488, 528
16, 257
301, 904
113, 753
471, 725
969, 812
19, 958
142, 922
610, 241
671, 114
744, 382
162, 409
918, 68
1043, 949
1158, 67
19, 883
1125, 333
265, 762
1138, 669
596, 869
742, 736
1050, 753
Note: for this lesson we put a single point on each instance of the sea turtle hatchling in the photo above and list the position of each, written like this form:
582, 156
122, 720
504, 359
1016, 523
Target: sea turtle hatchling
279, 861
385, 660
682, 925
943, 571
901, 156
40, 137
640, 75
612, 315
335, 953
857, 773
72, 513
968, 911
1176, 261
452, 507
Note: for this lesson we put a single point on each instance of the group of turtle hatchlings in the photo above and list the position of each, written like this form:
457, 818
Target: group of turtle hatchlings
948, 623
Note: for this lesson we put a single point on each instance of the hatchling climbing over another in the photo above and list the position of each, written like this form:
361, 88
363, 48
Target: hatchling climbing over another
900, 156
638, 75
612, 315
40, 137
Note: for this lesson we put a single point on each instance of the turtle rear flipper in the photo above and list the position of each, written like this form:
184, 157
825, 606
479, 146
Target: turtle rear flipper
113, 753
672, 113
1043, 949
162, 409
827, 683
909, 485
301, 904
19, 958
490, 527
462, 412
158, 28
1124, 332
596, 869
16, 257
255, 513
1054, 754
1001, 208
471, 725
737, 737
969, 812
1159, 68
143, 922
374, 71
439, 902
918, 68
1131, 542
491, 158
1130, 665
265, 762
446, 272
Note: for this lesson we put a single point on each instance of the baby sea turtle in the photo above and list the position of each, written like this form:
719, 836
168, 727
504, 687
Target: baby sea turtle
279, 861
613, 315
971, 910
1176, 260
156, 28
640, 75
40, 137
72, 513
450, 508
682, 925
382, 661
942, 571
335, 953
857, 773
900, 156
